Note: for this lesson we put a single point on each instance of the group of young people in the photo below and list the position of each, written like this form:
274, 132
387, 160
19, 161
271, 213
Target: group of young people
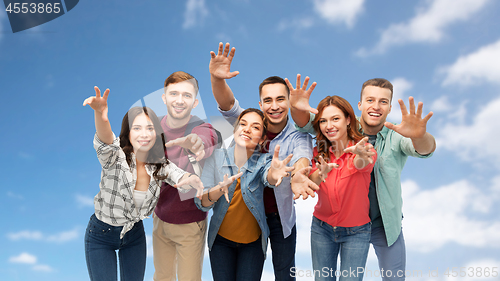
174, 167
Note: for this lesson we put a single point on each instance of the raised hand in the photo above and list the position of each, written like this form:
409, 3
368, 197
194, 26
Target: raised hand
189, 181
278, 168
98, 103
299, 96
302, 185
220, 64
224, 184
412, 124
191, 142
324, 168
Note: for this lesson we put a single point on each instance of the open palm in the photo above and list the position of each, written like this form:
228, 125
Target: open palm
220, 64
299, 96
412, 124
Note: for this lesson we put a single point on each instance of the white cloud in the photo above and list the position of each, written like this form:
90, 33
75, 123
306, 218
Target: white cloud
442, 215
267, 275
84, 201
196, 12
149, 245
474, 68
339, 11
25, 235
400, 87
296, 24
484, 273
474, 142
442, 104
43, 267
428, 25
23, 258
304, 210
61, 237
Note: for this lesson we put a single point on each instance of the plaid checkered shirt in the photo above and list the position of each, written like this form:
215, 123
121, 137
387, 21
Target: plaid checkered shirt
114, 204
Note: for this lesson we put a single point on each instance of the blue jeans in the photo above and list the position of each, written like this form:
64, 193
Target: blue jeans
283, 249
391, 260
236, 261
326, 243
101, 242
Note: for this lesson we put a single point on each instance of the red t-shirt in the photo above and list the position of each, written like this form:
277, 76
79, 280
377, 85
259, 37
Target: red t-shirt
343, 198
170, 208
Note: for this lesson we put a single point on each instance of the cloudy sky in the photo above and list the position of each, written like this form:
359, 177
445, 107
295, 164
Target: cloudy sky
445, 53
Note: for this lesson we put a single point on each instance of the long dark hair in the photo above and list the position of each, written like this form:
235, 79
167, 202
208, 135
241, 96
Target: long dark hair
156, 155
352, 129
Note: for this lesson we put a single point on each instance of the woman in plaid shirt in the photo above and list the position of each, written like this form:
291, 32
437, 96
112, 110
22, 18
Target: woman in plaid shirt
133, 169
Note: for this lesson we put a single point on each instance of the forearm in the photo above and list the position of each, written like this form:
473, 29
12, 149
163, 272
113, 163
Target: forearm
215, 193
301, 163
300, 117
425, 144
222, 93
103, 128
315, 177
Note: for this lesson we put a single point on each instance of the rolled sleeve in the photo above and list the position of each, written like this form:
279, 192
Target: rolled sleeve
208, 136
265, 172
308, 128
232, 114
107, 154
198, 204
174, 173
407, 147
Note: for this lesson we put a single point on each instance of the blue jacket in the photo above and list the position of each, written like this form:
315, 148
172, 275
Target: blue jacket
253, 181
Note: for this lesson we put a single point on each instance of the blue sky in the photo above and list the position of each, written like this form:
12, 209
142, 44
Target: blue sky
443, 52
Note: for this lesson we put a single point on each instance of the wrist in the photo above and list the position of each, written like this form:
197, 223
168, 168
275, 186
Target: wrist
210, 199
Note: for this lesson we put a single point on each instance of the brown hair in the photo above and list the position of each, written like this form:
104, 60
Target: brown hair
353, 134
156, 155
377, 82
273, 80
260, 113
180, 76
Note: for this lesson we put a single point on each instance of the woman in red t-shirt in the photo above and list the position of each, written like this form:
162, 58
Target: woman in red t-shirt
342, 167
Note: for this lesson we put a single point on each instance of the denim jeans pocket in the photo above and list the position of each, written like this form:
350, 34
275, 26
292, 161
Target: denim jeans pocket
98, 228
365, 228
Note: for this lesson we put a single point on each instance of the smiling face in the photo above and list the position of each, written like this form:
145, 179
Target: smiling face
274, 103
375, 105
142, 134
333, 125
180, 99
249, 131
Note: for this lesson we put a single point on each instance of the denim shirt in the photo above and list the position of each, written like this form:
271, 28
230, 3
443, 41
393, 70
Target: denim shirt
393, 150
252, 184
293, 142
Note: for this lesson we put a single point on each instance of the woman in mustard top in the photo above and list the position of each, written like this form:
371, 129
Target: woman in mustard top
238, 232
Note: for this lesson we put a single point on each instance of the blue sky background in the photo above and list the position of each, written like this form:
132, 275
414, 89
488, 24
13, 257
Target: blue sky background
445, 53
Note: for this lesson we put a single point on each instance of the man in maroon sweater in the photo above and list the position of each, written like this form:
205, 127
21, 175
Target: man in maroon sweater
179, 226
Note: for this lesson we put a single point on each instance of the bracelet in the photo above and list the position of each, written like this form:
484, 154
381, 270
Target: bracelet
208, 195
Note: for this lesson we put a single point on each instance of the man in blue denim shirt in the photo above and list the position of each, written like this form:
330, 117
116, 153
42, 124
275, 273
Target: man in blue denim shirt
394, 143
279, 202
